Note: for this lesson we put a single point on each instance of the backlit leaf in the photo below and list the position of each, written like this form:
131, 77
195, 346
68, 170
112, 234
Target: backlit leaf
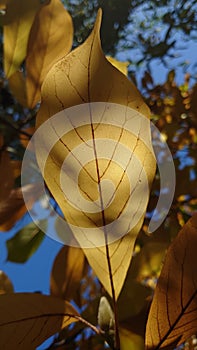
67, 272
50, 38
18, 21
172, 318
27, 319
83, 76
130, 341
21, 247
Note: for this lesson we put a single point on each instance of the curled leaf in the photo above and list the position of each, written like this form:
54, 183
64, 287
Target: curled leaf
172, 317
50, 38
27, 319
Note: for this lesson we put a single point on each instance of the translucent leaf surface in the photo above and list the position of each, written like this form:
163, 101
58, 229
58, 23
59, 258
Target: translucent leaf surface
18, 21
85, 76
50, 38
173, 314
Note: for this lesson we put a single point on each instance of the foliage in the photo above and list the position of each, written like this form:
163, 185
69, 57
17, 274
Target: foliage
110, 286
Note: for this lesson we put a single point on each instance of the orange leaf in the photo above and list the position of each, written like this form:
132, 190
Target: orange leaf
50, 38
172, 317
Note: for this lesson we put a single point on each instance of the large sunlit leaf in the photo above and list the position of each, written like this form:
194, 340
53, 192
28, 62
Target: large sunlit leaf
18, 21
67, 272
21, 247
172, 318
50, 38
83, 76
27, 319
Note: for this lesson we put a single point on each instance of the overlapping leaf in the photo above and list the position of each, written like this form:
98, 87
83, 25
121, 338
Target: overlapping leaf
27, 319
17, 24
12, 208
67, 272
173, 314
50, 39
83, 76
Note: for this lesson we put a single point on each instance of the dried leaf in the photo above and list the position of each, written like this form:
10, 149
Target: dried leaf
87, 76
18, 21
21, 247
67, 272
6, 285
50, 38
27, 319
172, 318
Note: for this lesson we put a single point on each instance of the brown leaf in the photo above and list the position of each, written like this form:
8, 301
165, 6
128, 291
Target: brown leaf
6, 175
172, 318
13, 207
87, 76
18, 21
6, 285
27, 319
67, 272
50, 38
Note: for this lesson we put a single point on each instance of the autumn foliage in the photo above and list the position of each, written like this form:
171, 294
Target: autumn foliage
138, 291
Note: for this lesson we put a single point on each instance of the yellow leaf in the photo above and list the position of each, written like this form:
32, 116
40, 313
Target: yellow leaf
130, 341
18, 87
50, 38
121, 66
172, 317
27, 319
18, 21
67, 272
85, 76
5, 284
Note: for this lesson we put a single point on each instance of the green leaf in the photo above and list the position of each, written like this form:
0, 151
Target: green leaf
24, 244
